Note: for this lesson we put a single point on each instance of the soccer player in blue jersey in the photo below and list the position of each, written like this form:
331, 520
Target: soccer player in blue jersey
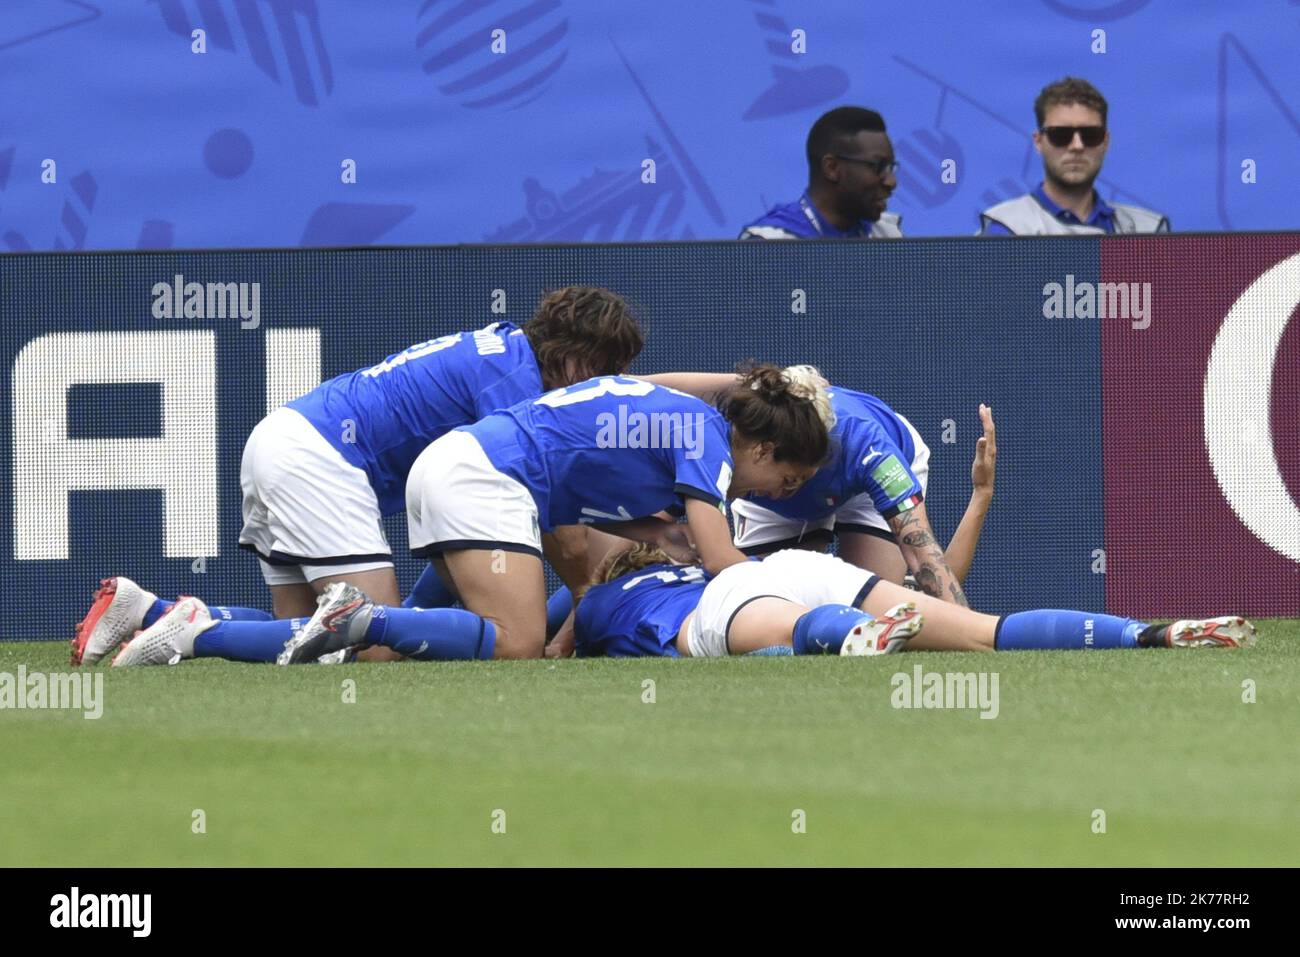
616, 453
870, 495
804, 602
313, 496
319, 473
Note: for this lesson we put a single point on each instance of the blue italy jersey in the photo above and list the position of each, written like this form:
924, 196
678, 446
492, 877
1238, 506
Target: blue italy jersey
381, 418
871, 451
610, 449
638, 614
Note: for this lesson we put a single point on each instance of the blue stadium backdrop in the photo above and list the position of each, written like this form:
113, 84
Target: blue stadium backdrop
116, 134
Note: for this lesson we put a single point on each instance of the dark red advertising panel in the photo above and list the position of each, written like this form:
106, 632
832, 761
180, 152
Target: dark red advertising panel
1201, 425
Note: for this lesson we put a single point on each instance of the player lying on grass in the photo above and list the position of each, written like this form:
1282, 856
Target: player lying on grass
613, 451
792, 602
869, 494
812, 603
319, 473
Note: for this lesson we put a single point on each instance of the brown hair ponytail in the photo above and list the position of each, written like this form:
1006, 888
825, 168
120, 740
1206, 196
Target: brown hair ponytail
787, 407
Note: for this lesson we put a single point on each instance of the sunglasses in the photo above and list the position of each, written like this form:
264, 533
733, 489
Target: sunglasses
881, 166
1064, 135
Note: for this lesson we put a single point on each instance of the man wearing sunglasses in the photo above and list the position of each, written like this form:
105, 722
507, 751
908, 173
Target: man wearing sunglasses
1072, 139
850, 178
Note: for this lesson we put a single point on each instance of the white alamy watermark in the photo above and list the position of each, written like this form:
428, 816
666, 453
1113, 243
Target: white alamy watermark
955, 690
179, 299
76, 909
1098, 300
632, 429
59, 690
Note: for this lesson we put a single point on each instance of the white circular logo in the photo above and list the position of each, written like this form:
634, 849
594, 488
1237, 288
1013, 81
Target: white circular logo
1238, 380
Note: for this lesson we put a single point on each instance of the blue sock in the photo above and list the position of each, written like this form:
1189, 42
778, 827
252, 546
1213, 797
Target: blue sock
1062, 629
771, 651
558, 607
156, 611
236, 613
219, 612
429, 591
238, 640
434, 634
822, 631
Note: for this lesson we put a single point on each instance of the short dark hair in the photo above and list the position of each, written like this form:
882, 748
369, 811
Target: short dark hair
592, 325
1069, 90
832, 129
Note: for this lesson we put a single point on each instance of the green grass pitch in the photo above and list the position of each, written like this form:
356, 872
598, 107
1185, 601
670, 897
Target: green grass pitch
713, 771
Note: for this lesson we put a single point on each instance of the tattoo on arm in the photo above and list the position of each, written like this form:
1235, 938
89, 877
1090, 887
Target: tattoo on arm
914, 532
933, 577
928, 580
918, 540
930, 566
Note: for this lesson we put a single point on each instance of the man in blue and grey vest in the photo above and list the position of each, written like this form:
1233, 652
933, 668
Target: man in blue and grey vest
850, 178
1072, 139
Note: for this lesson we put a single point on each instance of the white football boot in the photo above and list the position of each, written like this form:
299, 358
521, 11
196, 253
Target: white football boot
168, 640
116, 613
885, 635
1229, 631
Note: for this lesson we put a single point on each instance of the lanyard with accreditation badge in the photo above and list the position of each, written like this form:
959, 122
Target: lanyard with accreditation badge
811, 214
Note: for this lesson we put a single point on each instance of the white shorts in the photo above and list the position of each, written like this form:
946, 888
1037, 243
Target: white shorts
759, 529
308, 511
456, 499
797, 575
